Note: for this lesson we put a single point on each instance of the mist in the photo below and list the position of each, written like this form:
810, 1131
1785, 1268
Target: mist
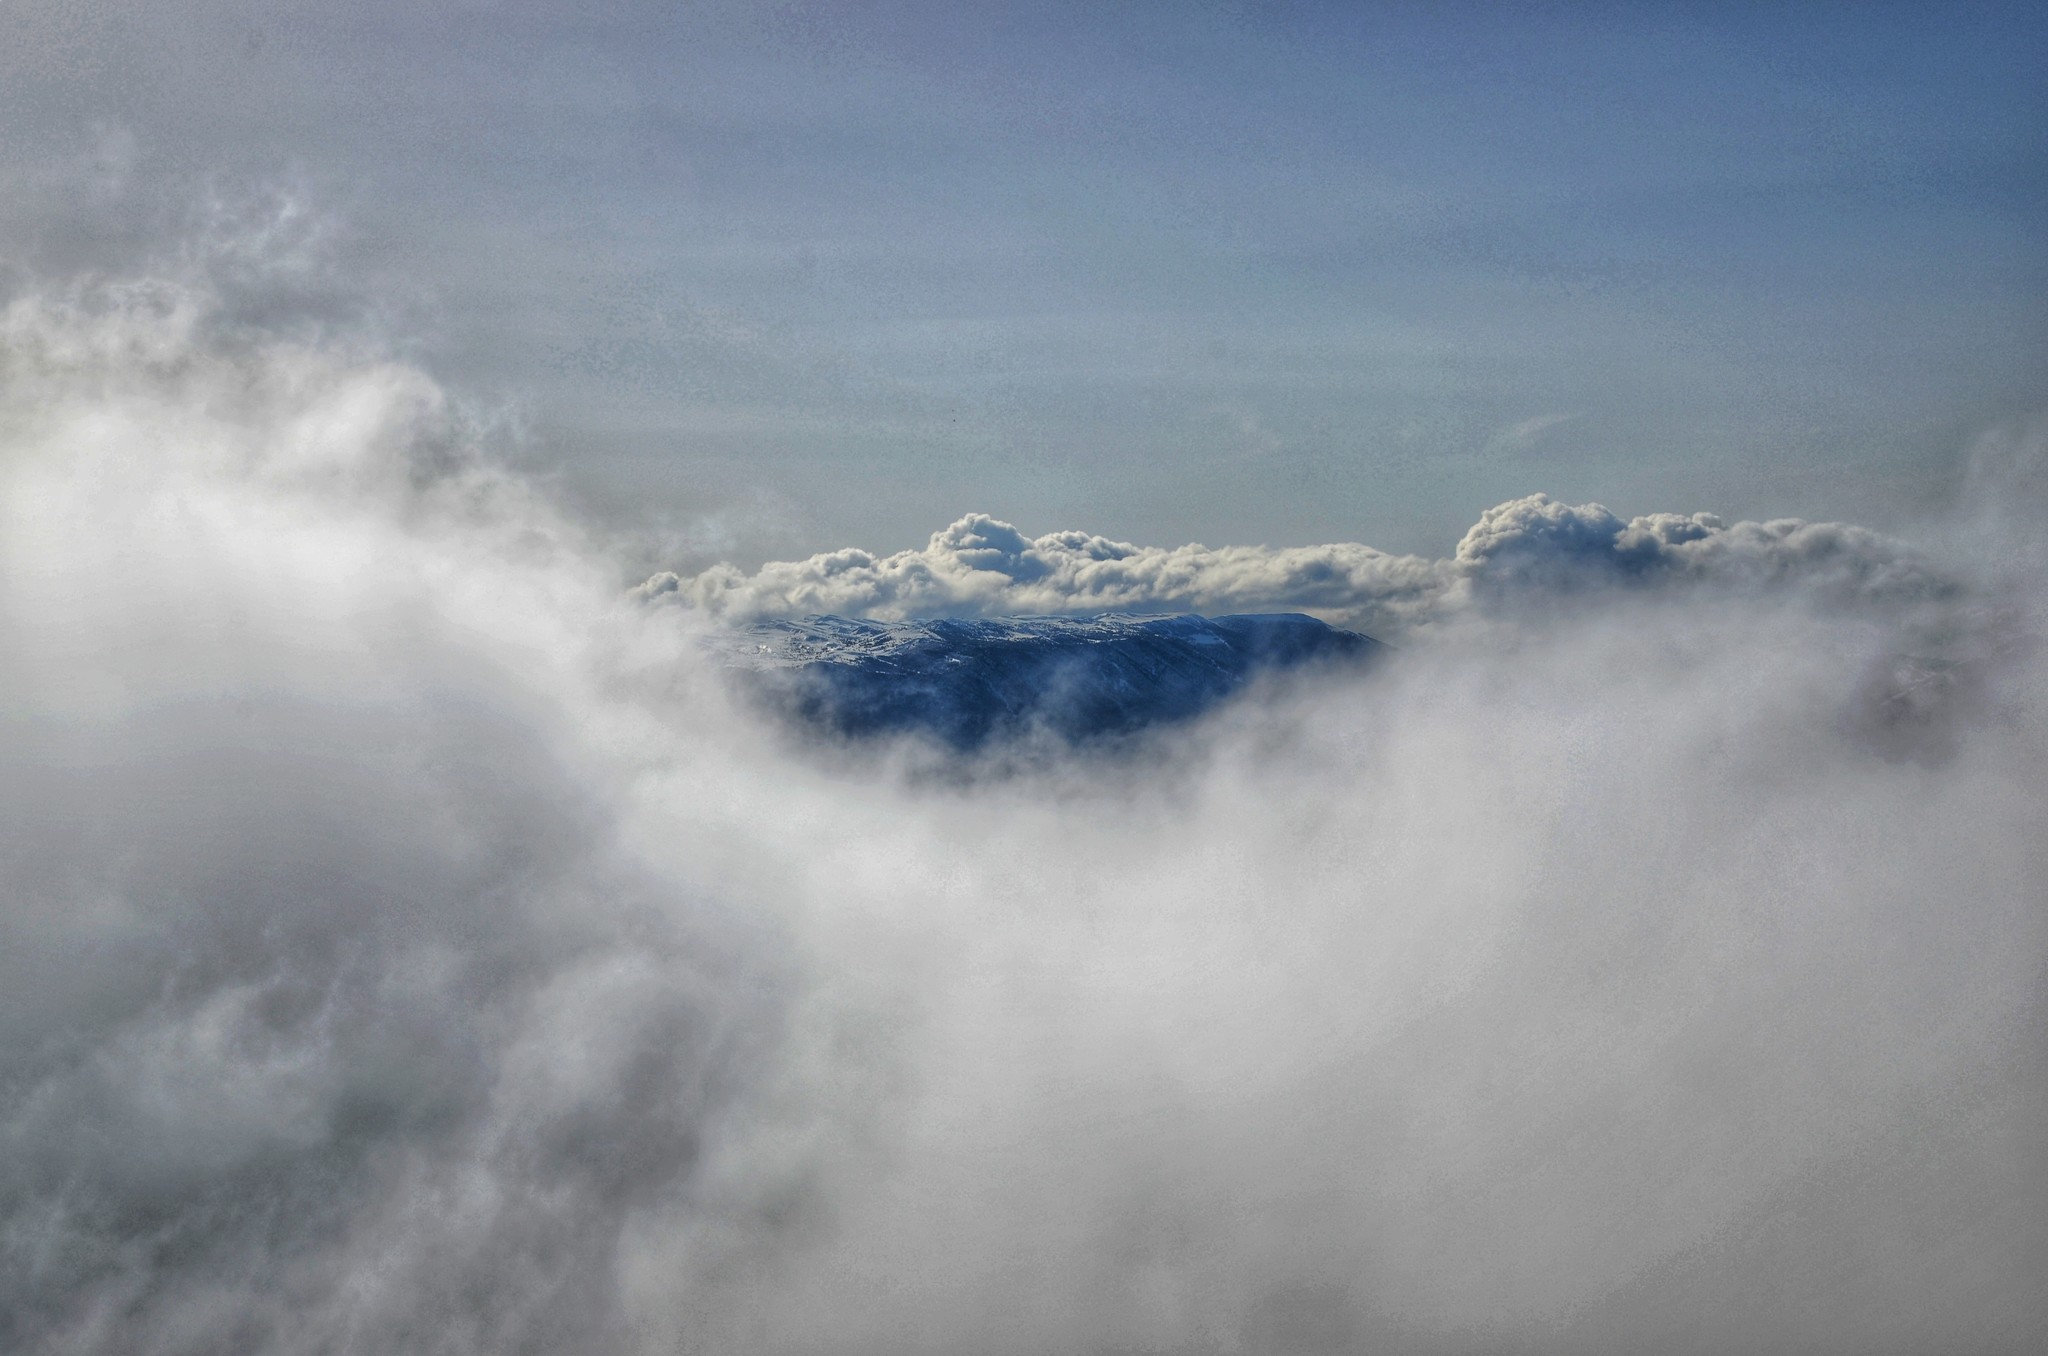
411, 943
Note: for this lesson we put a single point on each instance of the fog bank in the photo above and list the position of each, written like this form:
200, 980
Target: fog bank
408, 945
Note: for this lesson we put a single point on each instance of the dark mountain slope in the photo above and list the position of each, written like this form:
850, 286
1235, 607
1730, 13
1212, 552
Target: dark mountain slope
969, 682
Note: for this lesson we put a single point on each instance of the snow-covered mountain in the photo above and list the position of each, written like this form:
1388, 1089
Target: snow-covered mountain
967, 682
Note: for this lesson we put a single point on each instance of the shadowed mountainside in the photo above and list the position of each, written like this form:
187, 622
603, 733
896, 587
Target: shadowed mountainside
968, 682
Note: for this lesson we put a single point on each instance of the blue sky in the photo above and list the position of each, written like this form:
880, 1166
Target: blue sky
766, 279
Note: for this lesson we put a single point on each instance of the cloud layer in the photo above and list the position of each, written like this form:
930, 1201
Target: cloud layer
1535, 546
406, 946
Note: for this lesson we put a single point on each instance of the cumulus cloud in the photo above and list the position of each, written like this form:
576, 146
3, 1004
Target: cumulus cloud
981, 566
1535, 546
405, 946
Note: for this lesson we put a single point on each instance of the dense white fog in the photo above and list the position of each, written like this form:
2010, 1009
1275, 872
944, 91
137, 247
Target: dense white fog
409, 944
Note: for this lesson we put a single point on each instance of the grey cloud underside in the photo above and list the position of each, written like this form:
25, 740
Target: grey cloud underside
1531, 549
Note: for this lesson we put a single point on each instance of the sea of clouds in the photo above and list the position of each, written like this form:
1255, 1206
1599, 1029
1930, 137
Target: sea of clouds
408, 943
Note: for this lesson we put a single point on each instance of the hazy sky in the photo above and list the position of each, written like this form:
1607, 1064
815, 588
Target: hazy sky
767, 279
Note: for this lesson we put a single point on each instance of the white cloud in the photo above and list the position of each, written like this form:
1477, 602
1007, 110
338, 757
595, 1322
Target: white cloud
981, 566
406, 947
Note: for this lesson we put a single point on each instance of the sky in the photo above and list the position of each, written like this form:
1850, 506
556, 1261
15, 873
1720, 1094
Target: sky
752, 281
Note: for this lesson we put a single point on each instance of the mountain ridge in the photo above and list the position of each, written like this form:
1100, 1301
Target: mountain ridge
968, 682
